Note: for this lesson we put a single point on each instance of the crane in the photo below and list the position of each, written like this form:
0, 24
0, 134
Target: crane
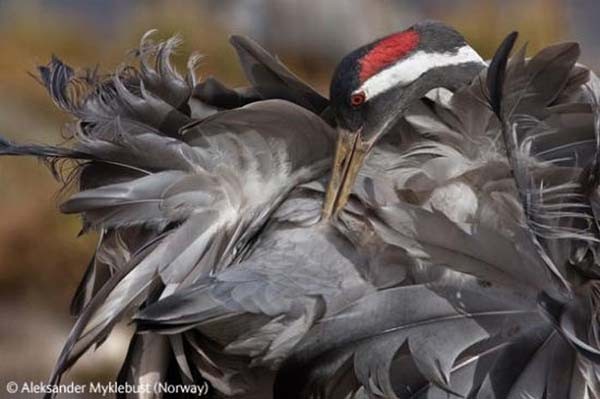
428, 231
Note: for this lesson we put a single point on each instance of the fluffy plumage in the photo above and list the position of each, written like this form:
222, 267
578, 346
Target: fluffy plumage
208, 202
175, 197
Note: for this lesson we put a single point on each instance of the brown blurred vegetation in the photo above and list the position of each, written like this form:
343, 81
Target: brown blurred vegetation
41, 257
39, 251
486, 23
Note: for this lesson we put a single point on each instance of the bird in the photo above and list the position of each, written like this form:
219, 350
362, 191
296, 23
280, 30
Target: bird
373, 86
427, 231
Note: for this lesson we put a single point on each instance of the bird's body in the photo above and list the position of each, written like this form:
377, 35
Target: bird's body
427, 268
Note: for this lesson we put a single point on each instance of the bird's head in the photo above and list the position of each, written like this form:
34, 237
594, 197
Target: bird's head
373, 86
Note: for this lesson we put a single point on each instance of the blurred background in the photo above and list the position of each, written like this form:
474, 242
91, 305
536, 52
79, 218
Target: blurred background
41, 257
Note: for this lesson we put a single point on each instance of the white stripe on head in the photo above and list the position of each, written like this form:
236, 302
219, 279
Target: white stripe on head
411, 68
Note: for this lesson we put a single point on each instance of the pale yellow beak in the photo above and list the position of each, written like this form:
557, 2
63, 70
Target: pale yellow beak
350, 154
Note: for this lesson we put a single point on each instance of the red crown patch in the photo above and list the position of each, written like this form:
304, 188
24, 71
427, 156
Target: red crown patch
386, 52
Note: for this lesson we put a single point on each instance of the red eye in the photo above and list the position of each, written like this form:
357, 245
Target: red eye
357, 99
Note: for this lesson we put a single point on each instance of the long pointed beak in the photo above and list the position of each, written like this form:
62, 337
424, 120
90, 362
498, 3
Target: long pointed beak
350, 154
